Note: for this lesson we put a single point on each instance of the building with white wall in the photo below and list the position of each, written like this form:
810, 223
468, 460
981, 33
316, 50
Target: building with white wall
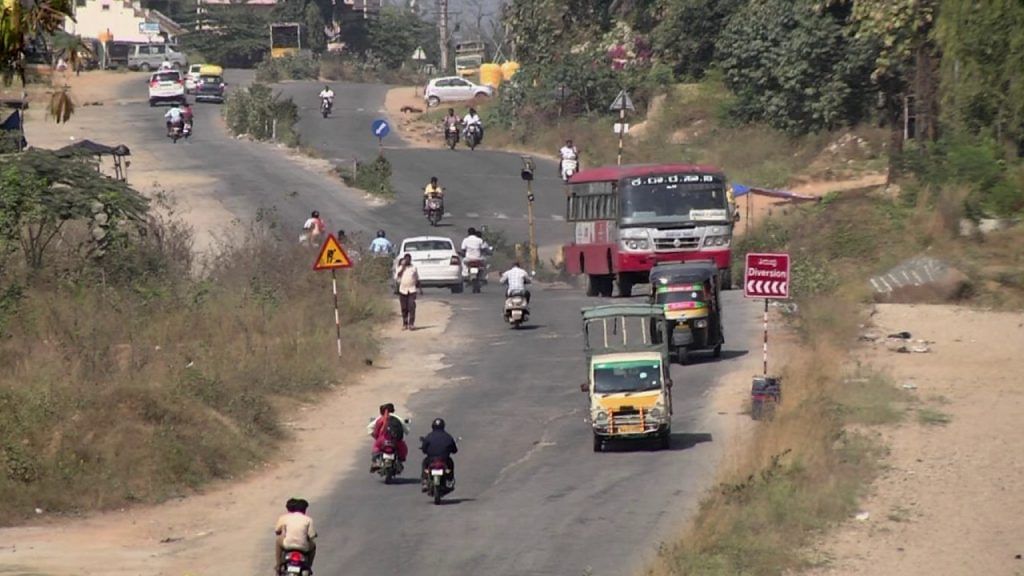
126, 20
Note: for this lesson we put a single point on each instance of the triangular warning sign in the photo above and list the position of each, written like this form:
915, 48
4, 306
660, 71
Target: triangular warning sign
622, 102
332, 256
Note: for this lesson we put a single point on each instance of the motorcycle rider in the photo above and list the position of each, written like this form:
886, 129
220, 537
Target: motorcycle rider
294, 531
568, 152
313, 229
388, 426
473, 246
438, 444
516, 278
451, 120
473, 119
173, 116
380, 246
327, 94
433, 189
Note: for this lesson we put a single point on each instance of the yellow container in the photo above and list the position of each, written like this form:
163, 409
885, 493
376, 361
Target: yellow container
490, 74
509, 69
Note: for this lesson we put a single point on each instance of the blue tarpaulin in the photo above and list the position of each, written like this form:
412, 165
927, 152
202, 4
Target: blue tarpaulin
13, 124
742, 190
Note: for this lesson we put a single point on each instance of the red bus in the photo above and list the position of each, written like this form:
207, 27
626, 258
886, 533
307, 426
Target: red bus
626, 219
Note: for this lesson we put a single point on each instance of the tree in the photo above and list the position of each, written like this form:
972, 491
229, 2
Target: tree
685, 32
231, 35
22, 23
982, 86
313, 17
394, 35
40, 193
795, 68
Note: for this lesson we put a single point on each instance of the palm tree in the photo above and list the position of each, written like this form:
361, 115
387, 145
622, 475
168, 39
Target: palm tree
22, 22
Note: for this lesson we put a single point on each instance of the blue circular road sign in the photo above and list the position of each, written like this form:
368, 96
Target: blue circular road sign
381, 128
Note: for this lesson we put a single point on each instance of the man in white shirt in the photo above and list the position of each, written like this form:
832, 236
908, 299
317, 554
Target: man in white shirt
473, 119
568, 152
328, 94
173, 116
473, 247
516, 278
381, 246
294, 531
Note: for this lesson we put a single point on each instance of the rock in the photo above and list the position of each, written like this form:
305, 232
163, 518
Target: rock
862, 516
990, 225
909, 386
921, 279
968, 229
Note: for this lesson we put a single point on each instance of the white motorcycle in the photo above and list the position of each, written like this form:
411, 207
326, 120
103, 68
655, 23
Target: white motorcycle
517, 308
569, 167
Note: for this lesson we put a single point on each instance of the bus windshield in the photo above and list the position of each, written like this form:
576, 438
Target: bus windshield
673, 197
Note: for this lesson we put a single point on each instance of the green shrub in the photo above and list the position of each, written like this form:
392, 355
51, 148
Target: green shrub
263, 115
373, 178
291, 67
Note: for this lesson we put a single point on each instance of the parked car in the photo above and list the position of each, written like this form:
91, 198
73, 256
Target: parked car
148, 57
210, 89
435, 257
454, 88
166, 86
197, 70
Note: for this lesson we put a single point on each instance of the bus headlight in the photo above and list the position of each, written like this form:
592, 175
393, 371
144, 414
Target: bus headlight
634, 239
635, 244
716, 241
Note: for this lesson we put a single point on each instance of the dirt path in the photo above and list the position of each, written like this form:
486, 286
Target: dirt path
229, 525
951, 501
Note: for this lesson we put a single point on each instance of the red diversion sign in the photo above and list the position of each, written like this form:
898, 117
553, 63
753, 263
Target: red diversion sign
767, 276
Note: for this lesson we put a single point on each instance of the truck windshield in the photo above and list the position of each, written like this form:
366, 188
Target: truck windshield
618, 377
673, 197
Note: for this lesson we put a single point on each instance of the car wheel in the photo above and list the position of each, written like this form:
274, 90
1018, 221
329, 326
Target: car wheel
144, 67
152, 102
433, 101
482, 95
457, 288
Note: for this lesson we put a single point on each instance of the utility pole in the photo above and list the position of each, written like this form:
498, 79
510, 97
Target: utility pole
442, 29
527, 175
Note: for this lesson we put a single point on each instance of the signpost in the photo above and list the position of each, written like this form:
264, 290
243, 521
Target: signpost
527, 175
381, 128
332, 256
767, 276
622, 103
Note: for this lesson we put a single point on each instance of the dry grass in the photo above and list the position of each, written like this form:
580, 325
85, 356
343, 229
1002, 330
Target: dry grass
140, 386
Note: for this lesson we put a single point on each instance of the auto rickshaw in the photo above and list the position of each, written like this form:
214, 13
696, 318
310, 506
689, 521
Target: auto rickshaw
690, 294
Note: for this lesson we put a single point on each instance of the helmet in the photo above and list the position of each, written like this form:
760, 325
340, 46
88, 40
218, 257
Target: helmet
380, 233
437, 424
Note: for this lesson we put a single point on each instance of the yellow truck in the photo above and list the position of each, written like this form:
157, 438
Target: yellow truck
629, 385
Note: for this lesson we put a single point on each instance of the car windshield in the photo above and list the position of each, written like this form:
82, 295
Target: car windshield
619, 377
673, 197
427, 245
166, 77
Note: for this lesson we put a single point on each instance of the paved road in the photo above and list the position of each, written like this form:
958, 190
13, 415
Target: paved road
532, 497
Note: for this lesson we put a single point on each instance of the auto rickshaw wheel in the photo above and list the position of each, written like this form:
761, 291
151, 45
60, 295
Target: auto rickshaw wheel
598, 444
718, 351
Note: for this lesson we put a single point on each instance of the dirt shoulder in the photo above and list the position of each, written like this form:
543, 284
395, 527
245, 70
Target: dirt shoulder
950, 500
229, 524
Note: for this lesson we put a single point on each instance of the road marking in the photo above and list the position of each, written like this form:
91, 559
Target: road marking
500, 216
558, 217
472, 215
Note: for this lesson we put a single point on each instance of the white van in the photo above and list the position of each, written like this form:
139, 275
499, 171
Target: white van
148, 57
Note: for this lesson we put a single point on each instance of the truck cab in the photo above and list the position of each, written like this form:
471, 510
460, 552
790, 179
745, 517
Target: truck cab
629, 386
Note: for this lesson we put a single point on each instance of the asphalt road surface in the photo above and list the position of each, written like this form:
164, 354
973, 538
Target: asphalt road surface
532, 498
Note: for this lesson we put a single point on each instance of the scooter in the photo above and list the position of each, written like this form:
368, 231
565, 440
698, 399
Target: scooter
325, 106
569, 167
517, 309
294, 563
435, 210
476, 273
473, 136
175, 132
451, 136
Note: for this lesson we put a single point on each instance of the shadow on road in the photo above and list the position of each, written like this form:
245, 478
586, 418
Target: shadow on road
400, 481
528, 327
454, 501
706, 357
678, 442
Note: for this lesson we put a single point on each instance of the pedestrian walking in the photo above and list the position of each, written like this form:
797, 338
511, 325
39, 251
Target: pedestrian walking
407, 282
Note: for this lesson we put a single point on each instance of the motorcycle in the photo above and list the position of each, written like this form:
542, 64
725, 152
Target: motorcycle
451, 136
569, 167
186, 130
387, 462
435, 210
175, 133
476, 272
294, 563
325, 106
517, 310
473, 136
439, 480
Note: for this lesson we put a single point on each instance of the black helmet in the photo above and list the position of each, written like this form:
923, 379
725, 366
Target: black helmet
380, 233
437, 424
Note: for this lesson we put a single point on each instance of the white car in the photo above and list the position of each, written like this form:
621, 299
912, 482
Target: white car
166, 86
436, 260
454, 88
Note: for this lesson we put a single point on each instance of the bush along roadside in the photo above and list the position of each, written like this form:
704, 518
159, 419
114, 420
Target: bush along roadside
258, 112
373, 178
136, 372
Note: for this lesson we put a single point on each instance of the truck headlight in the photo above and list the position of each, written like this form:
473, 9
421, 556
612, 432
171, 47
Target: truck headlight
654, 413
600, 416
